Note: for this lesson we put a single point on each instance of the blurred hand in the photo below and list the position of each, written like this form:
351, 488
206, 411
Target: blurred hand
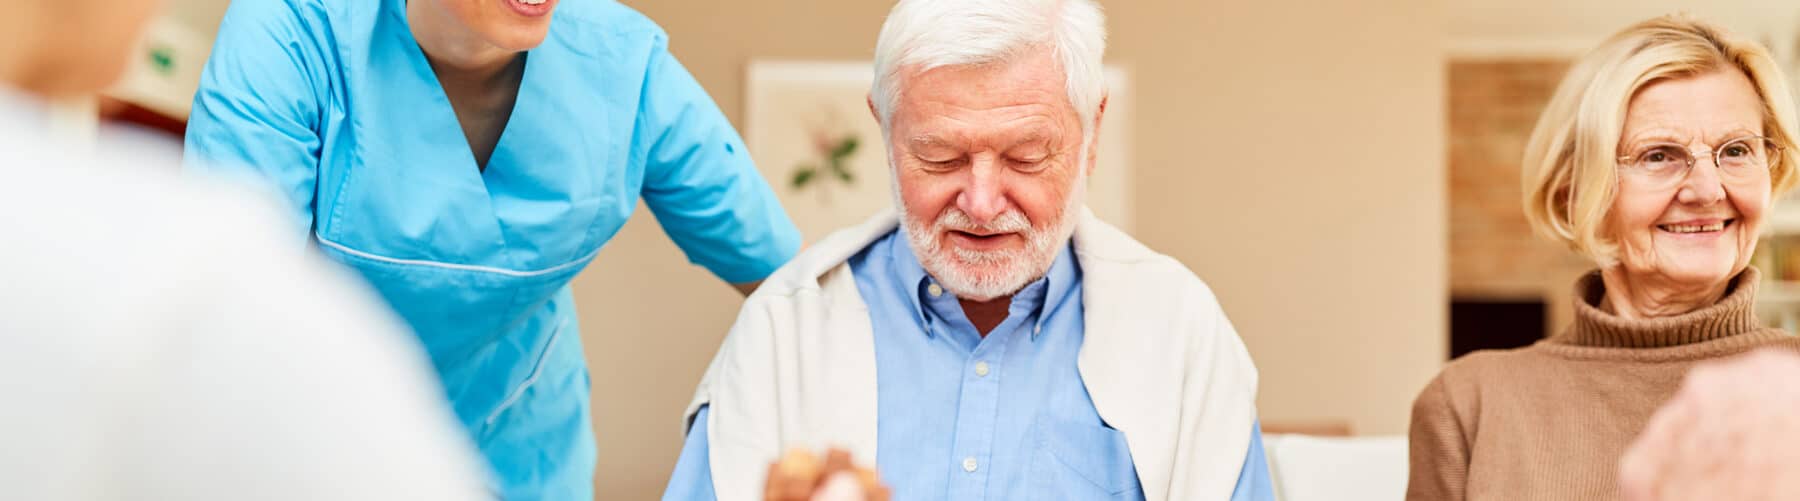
800, 476
1731, 432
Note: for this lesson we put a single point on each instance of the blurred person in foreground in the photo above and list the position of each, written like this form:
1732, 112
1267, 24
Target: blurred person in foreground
157, 338
1731, 432
1659, 157
992, 340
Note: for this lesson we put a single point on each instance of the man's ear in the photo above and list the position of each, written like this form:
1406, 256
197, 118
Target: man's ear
871, 102
1094, 145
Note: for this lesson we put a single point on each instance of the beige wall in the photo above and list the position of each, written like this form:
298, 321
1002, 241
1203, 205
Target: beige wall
1292, 156
1561, 28
1296, 156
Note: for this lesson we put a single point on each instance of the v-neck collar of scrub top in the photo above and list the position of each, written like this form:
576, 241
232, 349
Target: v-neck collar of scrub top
535, 204
436, 104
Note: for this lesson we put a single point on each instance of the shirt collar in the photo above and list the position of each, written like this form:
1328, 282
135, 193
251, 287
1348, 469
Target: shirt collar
1065, 278
1043, 295
912, 277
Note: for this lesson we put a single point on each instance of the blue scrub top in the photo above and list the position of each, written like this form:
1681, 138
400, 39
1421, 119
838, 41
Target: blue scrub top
333, 104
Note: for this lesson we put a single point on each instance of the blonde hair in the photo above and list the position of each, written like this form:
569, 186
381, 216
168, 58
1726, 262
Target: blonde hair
1570, 165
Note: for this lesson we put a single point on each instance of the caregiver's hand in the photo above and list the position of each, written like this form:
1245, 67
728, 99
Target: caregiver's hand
800, 476
1731, 432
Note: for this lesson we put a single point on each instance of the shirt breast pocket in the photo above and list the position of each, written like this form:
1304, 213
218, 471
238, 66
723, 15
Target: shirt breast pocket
1078, 461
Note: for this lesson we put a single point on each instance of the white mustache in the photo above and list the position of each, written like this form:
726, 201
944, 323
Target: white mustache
1010, 221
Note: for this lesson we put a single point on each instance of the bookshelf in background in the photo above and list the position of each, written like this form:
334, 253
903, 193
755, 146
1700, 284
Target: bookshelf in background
1778, 256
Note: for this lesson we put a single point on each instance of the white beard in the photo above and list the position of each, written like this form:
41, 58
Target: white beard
986, 275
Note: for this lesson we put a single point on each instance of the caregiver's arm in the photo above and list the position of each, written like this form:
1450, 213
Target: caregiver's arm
747, 287
701, 184
256, 112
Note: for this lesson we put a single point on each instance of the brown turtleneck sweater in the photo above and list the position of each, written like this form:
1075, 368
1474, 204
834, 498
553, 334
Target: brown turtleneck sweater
1550, 421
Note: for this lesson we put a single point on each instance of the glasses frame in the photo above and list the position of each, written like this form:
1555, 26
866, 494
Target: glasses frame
1774, 151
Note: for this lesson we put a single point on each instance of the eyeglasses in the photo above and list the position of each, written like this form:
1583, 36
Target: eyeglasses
1738, 159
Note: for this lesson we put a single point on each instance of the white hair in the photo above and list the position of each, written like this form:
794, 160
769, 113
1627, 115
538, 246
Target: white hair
921, 35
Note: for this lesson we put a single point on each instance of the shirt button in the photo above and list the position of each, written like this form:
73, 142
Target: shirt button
969, 464
981, 369
935, 290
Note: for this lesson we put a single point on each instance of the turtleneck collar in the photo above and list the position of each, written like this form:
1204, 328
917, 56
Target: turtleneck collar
1734, 314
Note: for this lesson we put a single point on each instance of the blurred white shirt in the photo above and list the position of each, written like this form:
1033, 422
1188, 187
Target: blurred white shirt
160, 340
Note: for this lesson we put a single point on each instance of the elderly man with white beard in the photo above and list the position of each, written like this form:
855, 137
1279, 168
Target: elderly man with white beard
992, 340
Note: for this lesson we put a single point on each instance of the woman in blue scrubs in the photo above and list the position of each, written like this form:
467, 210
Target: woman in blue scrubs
469, 157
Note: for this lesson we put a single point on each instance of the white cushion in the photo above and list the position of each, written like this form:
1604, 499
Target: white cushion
1310, 468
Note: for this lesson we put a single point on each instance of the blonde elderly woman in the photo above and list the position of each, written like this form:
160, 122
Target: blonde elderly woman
1659, 157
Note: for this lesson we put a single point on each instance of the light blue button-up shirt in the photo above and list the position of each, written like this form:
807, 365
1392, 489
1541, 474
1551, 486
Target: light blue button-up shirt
963, 416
